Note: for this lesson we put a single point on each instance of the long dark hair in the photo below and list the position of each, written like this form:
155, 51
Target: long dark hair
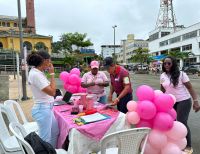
174, 71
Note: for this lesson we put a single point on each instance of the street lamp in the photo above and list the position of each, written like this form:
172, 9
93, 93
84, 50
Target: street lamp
114, 38
24, 94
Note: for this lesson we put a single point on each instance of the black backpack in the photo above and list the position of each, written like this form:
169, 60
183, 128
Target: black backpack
39, 146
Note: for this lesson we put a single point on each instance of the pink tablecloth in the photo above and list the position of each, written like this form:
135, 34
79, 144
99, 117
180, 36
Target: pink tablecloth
94, 130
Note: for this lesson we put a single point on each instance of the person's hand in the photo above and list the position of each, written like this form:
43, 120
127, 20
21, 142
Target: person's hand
196, 106
115, 102
110, 98
99, 84
91, 84
51, 68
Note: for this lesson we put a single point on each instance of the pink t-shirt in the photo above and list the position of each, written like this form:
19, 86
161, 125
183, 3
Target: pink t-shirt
180, 91
100, 77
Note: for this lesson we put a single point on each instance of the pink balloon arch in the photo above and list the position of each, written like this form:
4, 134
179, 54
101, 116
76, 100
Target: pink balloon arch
72, 81
154, 109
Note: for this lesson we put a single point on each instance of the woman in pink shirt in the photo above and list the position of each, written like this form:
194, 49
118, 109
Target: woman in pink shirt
173, 81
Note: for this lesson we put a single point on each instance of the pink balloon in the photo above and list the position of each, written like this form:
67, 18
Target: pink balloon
133, 117
150, 150
172, 113
180, 143
131, 106
74, 80
72, 88
75, 71
144, 123
64, 76
157, 92
157, 139
163, 121
171, 148
178, 131
164, 102
145, 92
146, 109
81, 90
173, 97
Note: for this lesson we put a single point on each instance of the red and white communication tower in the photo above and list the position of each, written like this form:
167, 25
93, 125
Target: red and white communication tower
166, 16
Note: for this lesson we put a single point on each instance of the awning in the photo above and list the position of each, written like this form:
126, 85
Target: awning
159, 57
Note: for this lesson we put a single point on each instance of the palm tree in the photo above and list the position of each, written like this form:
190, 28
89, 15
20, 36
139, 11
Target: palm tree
141, 55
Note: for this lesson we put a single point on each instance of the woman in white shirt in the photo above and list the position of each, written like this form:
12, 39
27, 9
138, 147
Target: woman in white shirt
173, 81
43, 91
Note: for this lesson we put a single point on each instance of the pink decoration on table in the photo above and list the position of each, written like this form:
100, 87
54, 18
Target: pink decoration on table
163, 121
157, 93
150, 150
146, 109
65, 122
145, 92
171, 148
131, 106
173, 97
145, 123
71, 88
74, 80
178, 131
180, 143
164, 102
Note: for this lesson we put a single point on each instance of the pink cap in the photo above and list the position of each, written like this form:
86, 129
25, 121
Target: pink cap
94, 64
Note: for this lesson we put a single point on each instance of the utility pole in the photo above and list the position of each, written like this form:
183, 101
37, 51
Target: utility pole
23, 69
114, 39
13, 54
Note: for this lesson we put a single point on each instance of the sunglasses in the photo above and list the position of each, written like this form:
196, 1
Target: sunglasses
167, 63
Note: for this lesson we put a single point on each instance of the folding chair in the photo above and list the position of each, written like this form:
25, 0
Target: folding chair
29, 126
8, 143
125, 142
18, 130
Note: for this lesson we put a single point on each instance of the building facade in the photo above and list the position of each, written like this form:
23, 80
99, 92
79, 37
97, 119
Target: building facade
108, 50
128, 47
183, 39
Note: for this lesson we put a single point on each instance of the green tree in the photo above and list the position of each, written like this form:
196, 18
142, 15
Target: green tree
180, 55
56, 46
77, 39
141, 55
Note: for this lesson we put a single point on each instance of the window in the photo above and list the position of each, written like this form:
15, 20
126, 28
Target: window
187, 47
174, 40
163, 43
154, 37
3, 24
15, 24
199, 44
190, 35
8, 24
164, 34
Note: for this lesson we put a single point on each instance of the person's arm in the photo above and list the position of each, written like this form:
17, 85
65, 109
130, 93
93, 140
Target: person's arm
104, 84
162, 88
51, 89
86, 85
110, 93
196, 105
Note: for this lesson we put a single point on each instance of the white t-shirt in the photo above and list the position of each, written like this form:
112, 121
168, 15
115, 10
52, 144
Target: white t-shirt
38, 81
100, 77
180, 91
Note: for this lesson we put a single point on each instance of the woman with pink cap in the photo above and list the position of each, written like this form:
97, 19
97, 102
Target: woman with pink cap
95, 81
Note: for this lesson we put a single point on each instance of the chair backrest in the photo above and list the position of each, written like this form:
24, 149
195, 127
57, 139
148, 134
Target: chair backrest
18, 130
10, 104
127, 141
4, 132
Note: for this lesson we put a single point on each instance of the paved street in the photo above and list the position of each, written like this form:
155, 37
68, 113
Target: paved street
153, 81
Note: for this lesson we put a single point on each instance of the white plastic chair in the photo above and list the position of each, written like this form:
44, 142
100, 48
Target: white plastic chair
29, 126
126, 141
8, 143
18, 130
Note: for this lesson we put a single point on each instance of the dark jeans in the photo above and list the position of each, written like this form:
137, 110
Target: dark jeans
121, 106
183, 109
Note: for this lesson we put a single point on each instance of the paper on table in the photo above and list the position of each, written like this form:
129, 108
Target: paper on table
93, 117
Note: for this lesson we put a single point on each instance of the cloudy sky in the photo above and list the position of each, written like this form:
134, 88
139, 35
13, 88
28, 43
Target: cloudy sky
96, 17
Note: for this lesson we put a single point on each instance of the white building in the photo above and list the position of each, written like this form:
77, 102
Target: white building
128, 47
108, 50
161, 41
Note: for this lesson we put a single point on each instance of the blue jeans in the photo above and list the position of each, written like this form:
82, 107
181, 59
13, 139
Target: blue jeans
103, 99
48, 126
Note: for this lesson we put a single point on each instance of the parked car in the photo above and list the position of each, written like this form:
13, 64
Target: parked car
142, 67
192, 69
